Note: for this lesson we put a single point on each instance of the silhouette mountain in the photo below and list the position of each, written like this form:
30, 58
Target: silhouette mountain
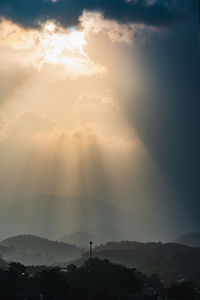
190, 239
3, 264
76, 213
100, 234
30, 249
172, 261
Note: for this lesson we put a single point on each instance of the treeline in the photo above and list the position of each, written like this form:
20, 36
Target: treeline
100, 280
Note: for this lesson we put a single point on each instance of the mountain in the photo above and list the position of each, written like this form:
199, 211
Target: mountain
172, 261
54, 216
135, 254
190, 239
3, 264
79, 238
100, 234
30, 249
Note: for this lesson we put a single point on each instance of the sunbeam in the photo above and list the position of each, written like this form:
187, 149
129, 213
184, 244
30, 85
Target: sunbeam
90, 121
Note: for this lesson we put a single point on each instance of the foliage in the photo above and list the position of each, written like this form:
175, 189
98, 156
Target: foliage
103, 281
183, 291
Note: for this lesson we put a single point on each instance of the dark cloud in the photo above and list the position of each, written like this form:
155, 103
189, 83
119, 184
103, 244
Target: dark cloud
30, 12
167, 118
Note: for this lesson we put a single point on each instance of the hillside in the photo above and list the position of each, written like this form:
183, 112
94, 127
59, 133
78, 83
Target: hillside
30, 249
190, 239
3, 264
172, 261
42, 220
134, 254
100, 234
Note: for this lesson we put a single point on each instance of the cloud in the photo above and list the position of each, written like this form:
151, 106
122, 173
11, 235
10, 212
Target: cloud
3, 121
34, 129
67, 12
95, 22
94, 100
51, 44
150, 2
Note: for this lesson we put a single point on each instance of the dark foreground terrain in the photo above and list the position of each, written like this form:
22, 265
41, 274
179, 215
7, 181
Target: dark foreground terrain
96, 280
120, 271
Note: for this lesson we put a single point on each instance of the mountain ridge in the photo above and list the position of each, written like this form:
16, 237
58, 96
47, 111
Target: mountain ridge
190, 239
32, 249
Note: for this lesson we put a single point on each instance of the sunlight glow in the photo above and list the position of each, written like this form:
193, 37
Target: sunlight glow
65, 130
61, 47
56, 46
51, 44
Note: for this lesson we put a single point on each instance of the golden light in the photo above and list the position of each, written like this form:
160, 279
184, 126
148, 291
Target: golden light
60, 46
51, 44
57, 45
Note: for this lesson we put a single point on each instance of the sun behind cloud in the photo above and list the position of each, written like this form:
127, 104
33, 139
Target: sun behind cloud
63, 47
50, 44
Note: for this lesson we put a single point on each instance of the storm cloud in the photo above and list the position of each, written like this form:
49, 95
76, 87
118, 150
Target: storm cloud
30, 13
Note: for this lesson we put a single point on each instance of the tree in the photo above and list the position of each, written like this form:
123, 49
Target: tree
17, 268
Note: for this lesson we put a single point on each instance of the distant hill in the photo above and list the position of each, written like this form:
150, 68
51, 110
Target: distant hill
135, 254
43, 222
190, 239
172, 261
30, 249
79, 238
3, 264
100, 234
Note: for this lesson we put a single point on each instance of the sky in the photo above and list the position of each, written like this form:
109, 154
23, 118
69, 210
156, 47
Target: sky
99, 117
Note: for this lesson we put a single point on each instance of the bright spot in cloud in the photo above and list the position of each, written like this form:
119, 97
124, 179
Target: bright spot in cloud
59, 46
52, 44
